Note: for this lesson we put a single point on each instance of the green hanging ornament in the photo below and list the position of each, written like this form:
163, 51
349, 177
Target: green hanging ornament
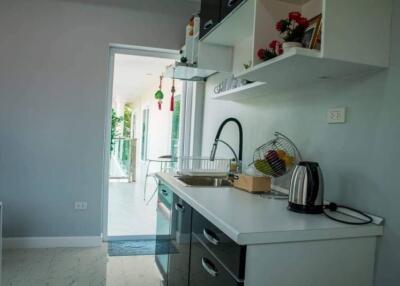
159, 95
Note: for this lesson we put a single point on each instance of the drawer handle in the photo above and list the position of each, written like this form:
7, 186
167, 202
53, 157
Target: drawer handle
164, 192
211, 237
209, 267
231, 3
179, 207
208, 24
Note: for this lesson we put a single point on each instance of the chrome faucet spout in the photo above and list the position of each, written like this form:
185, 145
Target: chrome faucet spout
214, 150
230, 148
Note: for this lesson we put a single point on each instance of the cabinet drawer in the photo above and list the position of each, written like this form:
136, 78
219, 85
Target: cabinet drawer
165, 195
232, 255
206, 270
210, 15
179, 256
227, 6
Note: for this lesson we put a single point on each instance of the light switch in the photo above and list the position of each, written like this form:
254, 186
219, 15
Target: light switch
337, 115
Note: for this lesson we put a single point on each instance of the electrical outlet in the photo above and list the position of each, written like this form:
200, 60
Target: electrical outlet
337, 115
81, 205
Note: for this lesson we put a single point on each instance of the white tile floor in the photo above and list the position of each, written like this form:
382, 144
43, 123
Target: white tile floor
128, 214
116, 169
76, 267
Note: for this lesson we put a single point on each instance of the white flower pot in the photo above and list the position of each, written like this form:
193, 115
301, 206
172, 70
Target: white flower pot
288, 45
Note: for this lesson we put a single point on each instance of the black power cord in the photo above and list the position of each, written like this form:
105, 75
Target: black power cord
334, 208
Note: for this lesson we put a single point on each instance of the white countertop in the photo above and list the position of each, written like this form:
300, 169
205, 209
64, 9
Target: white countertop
252, 219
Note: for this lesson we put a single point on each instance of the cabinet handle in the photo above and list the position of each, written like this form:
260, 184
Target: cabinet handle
208, 24
211, 237
231, 3
164, 192
209, 267
179, 207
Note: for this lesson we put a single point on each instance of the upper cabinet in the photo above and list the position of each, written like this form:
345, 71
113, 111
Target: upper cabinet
210, 16
355, 38
215, 11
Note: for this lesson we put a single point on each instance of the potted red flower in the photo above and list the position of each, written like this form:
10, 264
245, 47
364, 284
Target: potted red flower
292, 29
274, 49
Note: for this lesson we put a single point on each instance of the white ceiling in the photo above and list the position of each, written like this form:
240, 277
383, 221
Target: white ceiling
135, 75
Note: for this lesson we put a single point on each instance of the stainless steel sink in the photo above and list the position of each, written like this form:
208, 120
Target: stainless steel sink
203, 181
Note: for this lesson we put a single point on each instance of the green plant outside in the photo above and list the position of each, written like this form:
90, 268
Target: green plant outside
127, 133
175, 129
114, 122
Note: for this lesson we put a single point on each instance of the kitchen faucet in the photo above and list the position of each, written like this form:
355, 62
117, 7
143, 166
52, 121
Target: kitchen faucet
239, 157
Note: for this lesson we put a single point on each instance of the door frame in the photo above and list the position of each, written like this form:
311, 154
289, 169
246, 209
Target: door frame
114, 49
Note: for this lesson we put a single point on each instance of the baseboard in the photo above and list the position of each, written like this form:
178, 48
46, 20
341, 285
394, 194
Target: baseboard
51, 242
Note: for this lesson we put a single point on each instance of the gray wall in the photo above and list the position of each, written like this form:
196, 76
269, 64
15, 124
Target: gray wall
53, 79
360, 159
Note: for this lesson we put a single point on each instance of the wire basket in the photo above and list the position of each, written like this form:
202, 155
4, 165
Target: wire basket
276, 157
192, 166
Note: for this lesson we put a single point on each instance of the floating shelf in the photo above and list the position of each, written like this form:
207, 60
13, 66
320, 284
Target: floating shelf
244, 92
347, 47
300, 67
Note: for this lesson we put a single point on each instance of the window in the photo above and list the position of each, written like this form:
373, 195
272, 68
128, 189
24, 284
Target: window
175, 127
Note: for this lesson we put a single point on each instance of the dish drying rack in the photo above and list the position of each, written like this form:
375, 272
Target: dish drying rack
202, 166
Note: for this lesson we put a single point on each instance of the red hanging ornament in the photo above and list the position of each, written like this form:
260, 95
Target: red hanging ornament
172, 102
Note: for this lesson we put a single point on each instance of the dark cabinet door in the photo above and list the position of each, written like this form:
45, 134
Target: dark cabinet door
205, 270
164, 202
232, 255
179, 254
210, 15
227, 6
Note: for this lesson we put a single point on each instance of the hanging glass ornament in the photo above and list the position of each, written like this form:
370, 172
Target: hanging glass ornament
159, 95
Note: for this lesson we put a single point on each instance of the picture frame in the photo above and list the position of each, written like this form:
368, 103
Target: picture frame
312, 35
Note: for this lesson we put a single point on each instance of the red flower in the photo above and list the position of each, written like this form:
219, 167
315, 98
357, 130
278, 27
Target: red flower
261, 54
303, 22
294, 16
274, 44
277, 47
279, 26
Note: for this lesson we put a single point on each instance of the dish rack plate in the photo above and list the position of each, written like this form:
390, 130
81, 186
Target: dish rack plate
202, 166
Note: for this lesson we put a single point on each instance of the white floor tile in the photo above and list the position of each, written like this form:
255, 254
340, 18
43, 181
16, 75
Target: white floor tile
77, 267
128, 214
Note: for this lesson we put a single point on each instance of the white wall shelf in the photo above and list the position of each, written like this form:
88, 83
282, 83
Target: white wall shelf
294, 69
351, 41
241, 93
300, 67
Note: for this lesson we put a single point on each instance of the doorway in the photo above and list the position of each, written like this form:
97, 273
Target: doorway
140, 131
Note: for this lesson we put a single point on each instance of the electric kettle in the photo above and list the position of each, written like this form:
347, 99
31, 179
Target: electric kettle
306, 193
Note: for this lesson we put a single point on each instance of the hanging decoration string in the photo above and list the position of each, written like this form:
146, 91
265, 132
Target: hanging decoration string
172, 102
